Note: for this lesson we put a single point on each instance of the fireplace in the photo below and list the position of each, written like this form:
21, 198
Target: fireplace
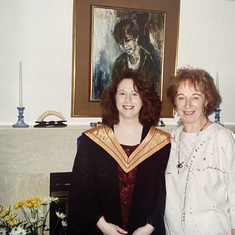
59, 187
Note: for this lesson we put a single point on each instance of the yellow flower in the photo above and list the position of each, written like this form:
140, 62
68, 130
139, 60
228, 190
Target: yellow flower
6, 212
29, 204
33, 202
39, 211
39, 200
14, 222
19, 204
9, 217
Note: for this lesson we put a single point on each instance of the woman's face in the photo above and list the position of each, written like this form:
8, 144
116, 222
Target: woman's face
129, 44
190, 104
128, 100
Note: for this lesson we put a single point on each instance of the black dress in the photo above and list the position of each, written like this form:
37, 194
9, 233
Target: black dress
95, 183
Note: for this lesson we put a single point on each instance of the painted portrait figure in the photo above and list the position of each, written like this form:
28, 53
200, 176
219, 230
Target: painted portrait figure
125, 39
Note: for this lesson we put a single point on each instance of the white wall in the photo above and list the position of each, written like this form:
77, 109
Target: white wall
206, 40
39, 33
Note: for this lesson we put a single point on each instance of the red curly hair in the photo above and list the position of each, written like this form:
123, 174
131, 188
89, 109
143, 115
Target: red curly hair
201, 80
150, 111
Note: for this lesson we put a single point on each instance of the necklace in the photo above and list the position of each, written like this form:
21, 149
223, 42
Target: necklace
180, 164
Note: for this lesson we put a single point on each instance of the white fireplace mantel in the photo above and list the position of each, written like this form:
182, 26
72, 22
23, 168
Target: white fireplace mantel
29, 155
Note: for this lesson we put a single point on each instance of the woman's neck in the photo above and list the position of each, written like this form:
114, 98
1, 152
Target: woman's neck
128, 133
197, 127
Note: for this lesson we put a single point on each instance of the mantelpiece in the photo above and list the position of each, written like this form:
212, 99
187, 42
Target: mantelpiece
29, 155
231, 127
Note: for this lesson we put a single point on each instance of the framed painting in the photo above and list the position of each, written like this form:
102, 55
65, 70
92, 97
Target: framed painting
102, 47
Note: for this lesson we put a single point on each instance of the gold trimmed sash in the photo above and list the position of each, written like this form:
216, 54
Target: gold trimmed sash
105, 138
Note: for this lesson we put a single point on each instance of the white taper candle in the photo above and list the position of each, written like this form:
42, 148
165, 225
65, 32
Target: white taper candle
217, 81
20, 86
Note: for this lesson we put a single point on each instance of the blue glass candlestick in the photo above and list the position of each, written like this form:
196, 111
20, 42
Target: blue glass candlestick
217, 116
20, 122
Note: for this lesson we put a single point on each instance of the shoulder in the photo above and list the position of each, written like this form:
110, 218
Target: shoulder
91, 138
159, 136
121, 58
176, 132
221, 132
144, 52
98, 130
100, 134
95, 131
223, 135
163, 133
158, 131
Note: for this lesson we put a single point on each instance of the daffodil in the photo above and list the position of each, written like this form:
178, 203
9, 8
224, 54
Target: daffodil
19, 204
9, 217
39, 200
35, 211
34, 202
29, 204
5, 212
14, 222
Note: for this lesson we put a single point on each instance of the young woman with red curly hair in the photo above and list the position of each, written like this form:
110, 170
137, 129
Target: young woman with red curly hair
118, 184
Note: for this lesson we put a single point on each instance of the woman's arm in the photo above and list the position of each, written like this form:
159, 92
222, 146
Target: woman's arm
83, 207
230, 152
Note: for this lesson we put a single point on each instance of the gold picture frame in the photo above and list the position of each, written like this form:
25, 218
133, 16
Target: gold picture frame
82, 103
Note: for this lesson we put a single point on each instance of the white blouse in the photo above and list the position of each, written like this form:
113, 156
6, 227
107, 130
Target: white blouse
201, 195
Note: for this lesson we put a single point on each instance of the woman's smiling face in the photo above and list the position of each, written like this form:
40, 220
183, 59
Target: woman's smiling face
190, 104
128, 100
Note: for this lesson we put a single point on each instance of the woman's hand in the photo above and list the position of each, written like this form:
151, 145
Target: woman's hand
145, 230
108, 228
